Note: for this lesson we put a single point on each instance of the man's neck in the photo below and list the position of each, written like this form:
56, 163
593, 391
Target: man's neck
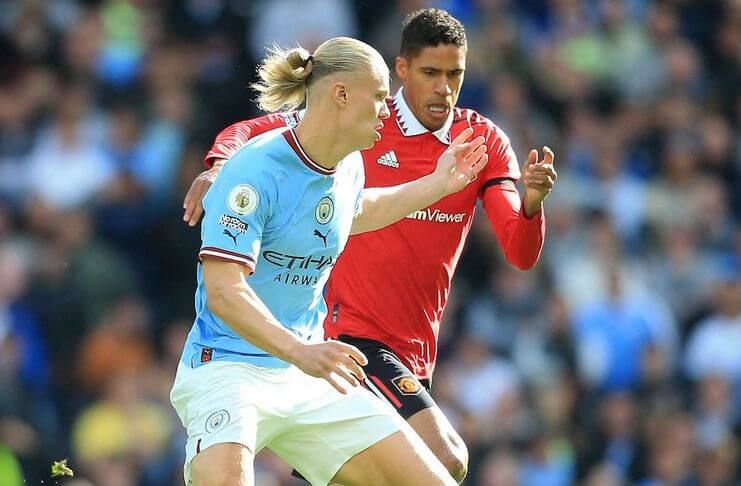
321, 139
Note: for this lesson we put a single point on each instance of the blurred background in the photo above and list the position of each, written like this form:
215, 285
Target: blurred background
616, 361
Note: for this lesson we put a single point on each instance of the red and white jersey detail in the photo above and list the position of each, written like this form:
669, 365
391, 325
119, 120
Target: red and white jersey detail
392, 285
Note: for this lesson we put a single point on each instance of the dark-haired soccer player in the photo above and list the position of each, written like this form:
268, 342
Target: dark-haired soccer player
387, 293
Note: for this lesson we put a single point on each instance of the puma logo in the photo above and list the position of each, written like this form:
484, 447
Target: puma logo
230, 235
319, 234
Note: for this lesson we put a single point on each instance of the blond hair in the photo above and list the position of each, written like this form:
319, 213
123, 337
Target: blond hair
286, 75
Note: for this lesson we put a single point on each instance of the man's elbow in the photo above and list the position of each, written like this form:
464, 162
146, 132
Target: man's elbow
217, 293
522, 263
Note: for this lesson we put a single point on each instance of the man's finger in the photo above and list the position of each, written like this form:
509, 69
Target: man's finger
346, 375
195, 205
532, 158
190, 194
197, 213
462, 137
336, 384
541, 169
476, 154
190, 209
353, 352
541, 178
548, 156
190, 200
465, 149
479, 165
354, 368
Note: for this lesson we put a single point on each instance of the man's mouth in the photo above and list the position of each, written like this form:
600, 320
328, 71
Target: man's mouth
438, 110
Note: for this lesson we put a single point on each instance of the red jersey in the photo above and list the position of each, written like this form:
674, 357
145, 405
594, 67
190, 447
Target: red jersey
391, 285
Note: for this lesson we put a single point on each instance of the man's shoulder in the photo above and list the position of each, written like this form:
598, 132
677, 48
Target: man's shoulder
466, 117
261, 153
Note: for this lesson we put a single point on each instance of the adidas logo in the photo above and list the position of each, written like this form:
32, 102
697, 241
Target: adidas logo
389, 160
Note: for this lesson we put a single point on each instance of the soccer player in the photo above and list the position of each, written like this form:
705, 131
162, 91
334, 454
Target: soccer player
387, 293
255, 371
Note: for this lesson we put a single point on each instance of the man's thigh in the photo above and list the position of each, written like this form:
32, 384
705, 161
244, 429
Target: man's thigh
222, 463
438, 433
392, 381
321, 436
401, 459
216, 404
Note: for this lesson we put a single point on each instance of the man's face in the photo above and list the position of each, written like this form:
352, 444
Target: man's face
432, 81
366, 103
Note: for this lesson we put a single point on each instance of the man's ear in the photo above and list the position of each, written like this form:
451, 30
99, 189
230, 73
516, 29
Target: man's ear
339, 93
402, 67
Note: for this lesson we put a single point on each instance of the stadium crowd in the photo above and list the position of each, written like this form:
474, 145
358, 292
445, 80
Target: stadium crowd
617, 360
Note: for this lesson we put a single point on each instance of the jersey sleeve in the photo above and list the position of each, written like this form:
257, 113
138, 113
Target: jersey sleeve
521, 238
234, 137
502, 165
237, 208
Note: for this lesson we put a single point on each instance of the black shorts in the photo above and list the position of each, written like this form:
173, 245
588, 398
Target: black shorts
390, 379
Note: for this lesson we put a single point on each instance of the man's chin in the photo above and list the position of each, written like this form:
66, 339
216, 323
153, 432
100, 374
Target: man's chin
376, 138
432, 125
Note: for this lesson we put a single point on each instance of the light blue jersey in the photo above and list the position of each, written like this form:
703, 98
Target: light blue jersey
281, 215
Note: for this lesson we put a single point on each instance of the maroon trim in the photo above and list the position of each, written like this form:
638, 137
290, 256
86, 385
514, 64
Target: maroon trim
249, 264
292, 140
233, 253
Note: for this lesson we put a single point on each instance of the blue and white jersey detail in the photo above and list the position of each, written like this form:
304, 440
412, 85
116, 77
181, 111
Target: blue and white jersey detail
285, 218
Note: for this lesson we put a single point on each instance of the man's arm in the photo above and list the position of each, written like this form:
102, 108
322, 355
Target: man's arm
232, 299
459, 165
227, 143
520, 225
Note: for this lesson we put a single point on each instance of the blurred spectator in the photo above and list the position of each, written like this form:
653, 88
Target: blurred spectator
713, 346
718, 464
17, 322
276, 22
616, 443
67, 168
487, 388
670, 451
543, 350
495, 320
116, 435
500, 468
614, 336
79, 278
716, 416
119, 344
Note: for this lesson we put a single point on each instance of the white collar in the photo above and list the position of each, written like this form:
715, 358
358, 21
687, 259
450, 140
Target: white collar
410, 125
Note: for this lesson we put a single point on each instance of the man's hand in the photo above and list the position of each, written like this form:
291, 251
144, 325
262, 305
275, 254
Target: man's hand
334, 361
193, 202
461, 163
538, 179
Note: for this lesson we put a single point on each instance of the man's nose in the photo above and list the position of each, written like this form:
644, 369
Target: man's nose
442, 87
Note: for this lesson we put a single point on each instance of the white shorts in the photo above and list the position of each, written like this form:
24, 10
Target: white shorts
303, 419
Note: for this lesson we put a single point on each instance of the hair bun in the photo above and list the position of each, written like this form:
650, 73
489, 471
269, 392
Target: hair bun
299, 58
